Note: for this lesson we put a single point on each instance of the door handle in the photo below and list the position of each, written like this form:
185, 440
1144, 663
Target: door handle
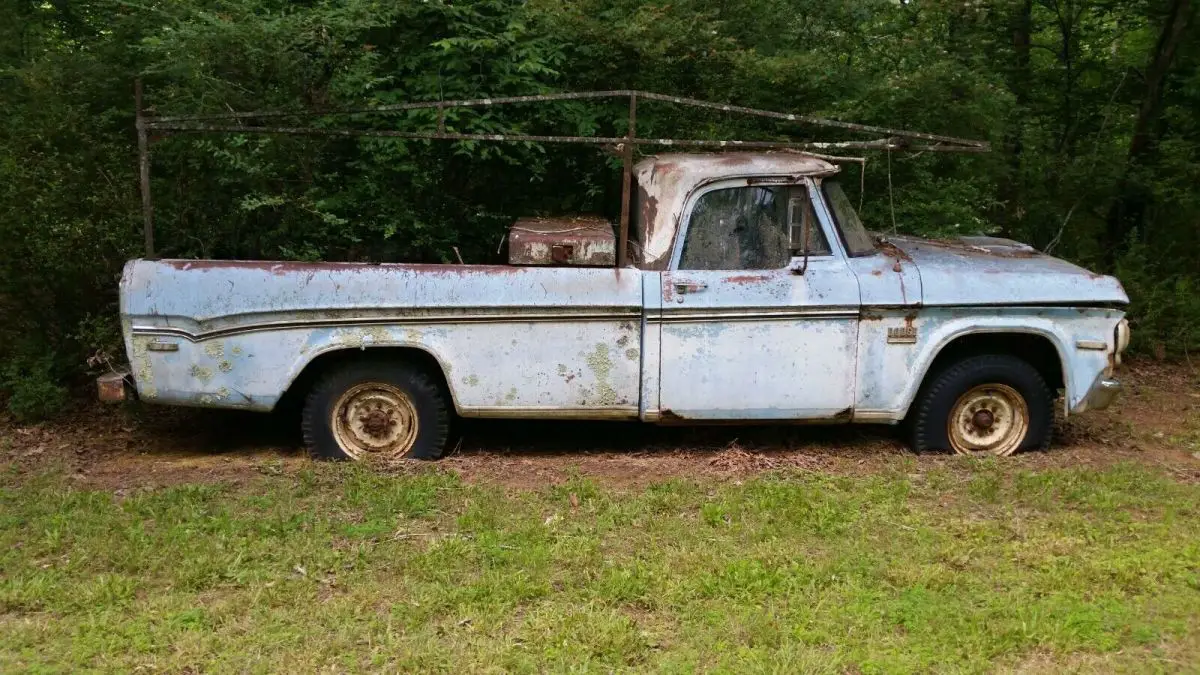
686, 287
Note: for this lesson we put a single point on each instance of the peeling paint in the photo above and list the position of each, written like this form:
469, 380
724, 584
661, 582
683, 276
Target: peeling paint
378, 335
216, 397
600, 363
143, 367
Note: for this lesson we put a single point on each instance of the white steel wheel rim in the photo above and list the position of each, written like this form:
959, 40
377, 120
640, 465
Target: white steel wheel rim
988, 419
374, 420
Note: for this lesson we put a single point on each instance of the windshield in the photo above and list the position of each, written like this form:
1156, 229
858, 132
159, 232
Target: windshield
858, 241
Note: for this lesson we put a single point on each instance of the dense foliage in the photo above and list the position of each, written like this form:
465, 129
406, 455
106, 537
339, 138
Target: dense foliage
1090, 104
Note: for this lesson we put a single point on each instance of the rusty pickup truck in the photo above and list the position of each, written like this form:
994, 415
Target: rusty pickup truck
752, 293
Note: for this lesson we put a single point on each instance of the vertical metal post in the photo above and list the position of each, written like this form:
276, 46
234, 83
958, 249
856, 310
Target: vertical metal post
144, 169
627, 181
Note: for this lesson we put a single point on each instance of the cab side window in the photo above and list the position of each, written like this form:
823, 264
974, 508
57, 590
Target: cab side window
750, 228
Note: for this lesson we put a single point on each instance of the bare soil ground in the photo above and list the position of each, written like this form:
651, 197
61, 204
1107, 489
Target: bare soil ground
135, 447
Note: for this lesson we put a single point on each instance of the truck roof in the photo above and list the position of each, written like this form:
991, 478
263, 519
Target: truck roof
720, 164
665, 181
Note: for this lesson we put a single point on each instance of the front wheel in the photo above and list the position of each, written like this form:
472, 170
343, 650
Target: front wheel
992, 404
376, 410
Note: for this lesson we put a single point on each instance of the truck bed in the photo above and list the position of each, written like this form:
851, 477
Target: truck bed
236, 334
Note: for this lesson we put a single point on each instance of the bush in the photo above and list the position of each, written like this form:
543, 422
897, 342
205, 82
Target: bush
1164, 305
31, 384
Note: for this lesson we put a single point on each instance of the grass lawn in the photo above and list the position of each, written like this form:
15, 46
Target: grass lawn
976, 567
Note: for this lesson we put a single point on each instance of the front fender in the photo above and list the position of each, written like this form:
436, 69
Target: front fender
891, 373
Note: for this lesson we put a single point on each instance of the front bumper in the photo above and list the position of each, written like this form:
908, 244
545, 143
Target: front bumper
1103, 392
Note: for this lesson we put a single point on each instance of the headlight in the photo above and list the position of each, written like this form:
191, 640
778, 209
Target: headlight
1122, 335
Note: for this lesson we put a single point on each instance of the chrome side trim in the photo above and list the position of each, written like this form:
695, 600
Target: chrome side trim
752, 314
405, 320
871, 416
694, 316
538, 412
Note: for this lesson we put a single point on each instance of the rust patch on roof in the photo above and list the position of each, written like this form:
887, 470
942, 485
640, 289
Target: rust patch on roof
666, 168
647, 221
734, 159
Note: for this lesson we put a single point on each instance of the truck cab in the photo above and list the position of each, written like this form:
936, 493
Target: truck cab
753, 293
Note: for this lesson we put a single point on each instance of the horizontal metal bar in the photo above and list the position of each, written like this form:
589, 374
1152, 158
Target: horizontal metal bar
820, 121
400, 107
165, 122
388, 133
809, 145
883, 144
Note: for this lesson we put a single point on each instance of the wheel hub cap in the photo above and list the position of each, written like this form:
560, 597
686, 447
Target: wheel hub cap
984, 419
376, 420
376, 423
988, 419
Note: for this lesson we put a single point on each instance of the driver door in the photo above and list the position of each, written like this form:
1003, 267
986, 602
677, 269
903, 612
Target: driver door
750, 329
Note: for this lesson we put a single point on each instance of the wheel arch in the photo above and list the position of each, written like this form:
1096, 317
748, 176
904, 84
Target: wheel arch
306, 376
1042, 349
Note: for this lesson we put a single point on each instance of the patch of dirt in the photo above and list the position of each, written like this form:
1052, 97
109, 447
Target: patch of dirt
137, 447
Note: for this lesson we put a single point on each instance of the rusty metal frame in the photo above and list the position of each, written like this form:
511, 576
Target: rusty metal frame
893, 139
144, 168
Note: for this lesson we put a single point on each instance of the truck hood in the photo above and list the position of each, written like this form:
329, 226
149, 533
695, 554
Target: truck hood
994, 271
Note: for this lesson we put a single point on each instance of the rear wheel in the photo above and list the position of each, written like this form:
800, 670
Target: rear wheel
992, 404
376, 410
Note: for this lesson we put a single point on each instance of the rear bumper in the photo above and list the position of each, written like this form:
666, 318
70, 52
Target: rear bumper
1103, 392
115, 387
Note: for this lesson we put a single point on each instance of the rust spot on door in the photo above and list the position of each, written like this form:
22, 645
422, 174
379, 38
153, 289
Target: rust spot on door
747, 278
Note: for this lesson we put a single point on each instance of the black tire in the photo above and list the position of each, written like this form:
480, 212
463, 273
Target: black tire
427, 398
929, 417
